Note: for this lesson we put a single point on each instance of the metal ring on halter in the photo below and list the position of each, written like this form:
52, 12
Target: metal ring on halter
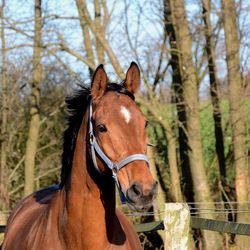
115, 169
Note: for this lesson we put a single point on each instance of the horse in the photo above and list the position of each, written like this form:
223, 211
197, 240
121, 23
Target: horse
104, 145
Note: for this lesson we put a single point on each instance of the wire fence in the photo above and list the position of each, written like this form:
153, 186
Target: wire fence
196, 209
201, 209
198, 220
143, 214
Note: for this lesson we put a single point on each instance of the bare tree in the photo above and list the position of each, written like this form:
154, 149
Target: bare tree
101, 29
214, 89
178, 99
33, 135
202, 192
86, 34
85, 17
237, 117
4, 109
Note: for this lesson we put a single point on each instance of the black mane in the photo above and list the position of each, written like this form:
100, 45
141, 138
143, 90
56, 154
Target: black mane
76, 106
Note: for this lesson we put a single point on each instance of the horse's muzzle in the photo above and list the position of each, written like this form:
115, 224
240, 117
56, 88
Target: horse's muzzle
139, 198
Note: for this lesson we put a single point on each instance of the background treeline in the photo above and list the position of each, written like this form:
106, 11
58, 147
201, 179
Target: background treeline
194, 60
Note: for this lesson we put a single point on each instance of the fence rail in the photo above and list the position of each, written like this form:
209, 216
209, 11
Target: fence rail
149, 226
2, 227
220, 226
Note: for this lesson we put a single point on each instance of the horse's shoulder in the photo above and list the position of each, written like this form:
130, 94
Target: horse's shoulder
33, 202
27, 219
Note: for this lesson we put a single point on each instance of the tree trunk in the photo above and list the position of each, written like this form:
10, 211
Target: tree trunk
85, 32
214, 90
173, 167
179, 102
3, 168
212, 240
33, 135
237, 120
100, 29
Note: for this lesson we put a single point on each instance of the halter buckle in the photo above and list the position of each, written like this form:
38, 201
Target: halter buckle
115, 170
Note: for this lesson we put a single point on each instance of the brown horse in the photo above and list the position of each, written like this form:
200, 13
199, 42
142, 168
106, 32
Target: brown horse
104, 144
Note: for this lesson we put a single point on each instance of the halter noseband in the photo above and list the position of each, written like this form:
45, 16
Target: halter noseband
114, 167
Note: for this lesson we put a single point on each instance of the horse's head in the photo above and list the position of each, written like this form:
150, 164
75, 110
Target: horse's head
119, 131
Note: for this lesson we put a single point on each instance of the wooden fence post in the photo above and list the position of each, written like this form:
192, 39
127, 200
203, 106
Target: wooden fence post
176, 223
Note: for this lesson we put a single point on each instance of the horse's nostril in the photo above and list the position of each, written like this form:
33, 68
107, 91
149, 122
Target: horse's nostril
134, 192
136, 189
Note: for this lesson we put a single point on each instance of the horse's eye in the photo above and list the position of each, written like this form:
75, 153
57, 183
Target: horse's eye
146, 124
101, 128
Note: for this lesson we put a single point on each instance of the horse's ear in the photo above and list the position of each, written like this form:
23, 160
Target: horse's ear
133, 80
99, 83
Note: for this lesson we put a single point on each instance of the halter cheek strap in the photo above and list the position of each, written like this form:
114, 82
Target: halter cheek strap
114, 167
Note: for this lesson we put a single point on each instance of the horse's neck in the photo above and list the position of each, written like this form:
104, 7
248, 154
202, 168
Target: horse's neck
90, 205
